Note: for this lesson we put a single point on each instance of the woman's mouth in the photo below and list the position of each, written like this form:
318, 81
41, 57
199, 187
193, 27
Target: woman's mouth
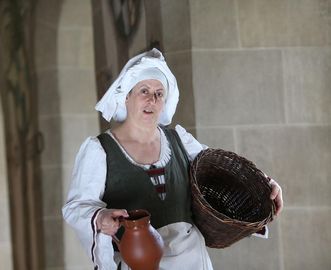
148, 111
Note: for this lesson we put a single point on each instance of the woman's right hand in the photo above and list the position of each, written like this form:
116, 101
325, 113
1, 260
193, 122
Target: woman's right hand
108, 220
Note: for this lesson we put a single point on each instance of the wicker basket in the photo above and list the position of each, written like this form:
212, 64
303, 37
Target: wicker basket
230, 197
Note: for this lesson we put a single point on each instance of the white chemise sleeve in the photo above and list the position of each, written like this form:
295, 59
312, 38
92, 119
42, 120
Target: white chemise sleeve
191, 145
84, 202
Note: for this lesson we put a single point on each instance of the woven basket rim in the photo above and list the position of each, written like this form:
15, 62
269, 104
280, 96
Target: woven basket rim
206, 205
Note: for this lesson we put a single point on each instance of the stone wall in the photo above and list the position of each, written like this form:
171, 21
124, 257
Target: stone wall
261, 85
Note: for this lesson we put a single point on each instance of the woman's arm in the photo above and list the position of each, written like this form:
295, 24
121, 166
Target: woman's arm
277, 196
191, 145
84, 203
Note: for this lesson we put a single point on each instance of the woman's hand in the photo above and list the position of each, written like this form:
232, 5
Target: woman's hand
108, 220
276, 196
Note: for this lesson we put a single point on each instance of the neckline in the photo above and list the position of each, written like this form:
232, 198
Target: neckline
164, 156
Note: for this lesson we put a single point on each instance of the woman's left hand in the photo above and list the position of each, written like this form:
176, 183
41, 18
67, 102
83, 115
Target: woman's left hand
276, 196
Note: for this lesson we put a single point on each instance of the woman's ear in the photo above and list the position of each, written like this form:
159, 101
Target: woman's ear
127, 96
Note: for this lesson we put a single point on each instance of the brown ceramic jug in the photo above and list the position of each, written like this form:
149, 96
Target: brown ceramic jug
141, 246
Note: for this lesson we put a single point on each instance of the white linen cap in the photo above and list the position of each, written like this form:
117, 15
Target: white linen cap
134, 76
148, 65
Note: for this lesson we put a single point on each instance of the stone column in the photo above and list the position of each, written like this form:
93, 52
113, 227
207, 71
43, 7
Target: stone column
23, 139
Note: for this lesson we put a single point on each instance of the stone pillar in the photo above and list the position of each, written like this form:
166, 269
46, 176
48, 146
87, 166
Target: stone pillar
176, 28
23, 140
5, 233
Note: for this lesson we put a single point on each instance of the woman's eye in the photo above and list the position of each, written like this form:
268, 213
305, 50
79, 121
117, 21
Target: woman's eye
144, 91
159, 94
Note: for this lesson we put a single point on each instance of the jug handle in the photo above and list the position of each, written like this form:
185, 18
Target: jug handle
114, 237
117, 241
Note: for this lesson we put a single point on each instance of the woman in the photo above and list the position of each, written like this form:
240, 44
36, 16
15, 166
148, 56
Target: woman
139, 164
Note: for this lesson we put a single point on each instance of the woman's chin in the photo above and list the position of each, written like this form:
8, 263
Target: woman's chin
150, 120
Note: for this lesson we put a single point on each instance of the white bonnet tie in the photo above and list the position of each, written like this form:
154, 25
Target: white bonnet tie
148, 65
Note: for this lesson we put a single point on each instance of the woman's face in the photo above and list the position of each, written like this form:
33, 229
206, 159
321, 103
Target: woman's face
145, 102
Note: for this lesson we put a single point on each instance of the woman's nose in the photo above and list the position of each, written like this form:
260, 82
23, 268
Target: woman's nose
152, 97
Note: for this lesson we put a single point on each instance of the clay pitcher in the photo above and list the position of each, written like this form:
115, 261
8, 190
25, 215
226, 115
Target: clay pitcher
141, 246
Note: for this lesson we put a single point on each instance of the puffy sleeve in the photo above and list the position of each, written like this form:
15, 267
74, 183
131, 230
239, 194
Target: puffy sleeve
192, 146
84, 202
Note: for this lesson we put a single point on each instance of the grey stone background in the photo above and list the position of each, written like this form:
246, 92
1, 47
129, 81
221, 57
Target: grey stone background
254, 77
